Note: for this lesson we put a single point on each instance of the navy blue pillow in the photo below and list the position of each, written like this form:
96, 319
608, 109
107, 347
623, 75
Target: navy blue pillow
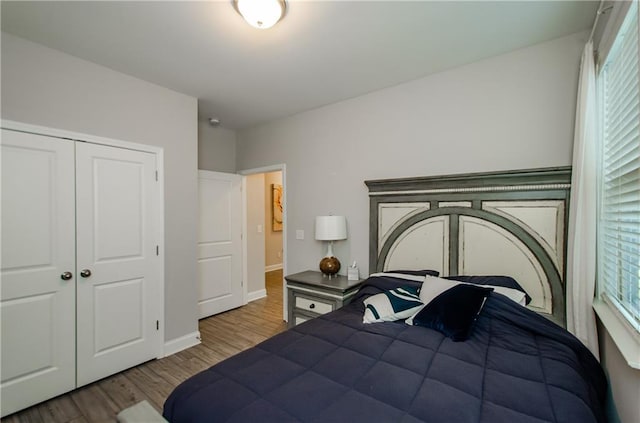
454, 312
506, 281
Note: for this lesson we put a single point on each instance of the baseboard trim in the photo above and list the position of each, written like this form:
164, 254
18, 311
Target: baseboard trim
256, 295
182, 343
273, 267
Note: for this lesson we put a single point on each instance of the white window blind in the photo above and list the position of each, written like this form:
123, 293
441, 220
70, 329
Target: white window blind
619, 215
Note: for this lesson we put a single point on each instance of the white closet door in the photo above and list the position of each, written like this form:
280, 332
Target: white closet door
219, 242
37, 306
119, 302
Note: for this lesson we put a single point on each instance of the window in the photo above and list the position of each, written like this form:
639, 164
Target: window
619, 214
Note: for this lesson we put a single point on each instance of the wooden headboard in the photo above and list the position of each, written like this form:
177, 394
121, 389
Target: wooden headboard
510, 223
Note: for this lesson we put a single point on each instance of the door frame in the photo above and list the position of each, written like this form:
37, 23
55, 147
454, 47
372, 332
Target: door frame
158, 195
245, 272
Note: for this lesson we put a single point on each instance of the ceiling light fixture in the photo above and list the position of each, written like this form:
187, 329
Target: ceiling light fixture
261, 14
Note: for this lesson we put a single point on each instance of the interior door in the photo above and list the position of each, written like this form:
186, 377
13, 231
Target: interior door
37, 291
118, 284
219, 242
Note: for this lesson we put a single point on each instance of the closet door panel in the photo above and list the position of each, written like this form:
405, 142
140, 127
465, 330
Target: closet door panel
37, 306
118, 303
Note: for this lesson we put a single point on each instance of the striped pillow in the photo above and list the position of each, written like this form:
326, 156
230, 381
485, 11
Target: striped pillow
395, 304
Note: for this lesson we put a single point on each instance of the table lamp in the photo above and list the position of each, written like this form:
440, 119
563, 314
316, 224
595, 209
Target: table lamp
330, 228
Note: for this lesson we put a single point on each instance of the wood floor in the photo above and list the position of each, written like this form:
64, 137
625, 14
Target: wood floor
223, 335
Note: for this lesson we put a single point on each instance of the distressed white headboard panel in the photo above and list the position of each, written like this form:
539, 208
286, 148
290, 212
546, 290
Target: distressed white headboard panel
500, 223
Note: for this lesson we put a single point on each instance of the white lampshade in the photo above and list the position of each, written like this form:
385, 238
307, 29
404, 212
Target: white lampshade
331, 228
261, 14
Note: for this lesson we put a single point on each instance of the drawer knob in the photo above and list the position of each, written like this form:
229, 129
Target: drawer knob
312, 305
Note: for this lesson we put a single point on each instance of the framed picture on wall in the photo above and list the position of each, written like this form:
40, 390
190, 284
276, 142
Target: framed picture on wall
276, 207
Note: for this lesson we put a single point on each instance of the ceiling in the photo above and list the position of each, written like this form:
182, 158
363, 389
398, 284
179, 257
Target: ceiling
320, 53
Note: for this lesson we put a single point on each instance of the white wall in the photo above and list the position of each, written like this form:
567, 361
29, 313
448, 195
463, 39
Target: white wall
254, 185
624, 381
272, 239
508, 112
49, 88
216, 148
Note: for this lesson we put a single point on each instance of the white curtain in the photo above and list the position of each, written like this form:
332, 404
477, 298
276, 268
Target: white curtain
581, 248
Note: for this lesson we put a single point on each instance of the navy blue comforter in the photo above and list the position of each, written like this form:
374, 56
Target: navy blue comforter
516, 367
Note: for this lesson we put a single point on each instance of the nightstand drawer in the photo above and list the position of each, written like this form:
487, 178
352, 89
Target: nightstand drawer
314, 305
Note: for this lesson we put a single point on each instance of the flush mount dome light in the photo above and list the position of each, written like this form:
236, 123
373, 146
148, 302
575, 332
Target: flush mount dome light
261, 14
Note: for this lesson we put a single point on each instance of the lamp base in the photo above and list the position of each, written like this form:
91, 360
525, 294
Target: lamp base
330, 266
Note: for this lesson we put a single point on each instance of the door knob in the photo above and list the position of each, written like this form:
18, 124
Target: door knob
65, 276
85, 273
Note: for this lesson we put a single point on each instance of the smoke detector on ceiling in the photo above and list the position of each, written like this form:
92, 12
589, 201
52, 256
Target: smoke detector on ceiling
214, 122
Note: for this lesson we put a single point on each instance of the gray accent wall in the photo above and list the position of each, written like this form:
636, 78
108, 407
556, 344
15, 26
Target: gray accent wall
624, 381
45, 87
512, 111
216, 148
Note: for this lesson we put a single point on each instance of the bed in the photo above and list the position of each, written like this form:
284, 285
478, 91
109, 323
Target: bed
515, 362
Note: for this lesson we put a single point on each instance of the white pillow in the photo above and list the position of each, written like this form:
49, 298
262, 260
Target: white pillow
434, 286
431, 288
513, 294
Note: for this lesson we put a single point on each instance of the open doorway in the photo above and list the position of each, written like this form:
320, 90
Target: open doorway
273, 221
273, 229
264, 234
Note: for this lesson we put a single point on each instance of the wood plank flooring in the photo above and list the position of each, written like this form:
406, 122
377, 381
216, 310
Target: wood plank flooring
223, 335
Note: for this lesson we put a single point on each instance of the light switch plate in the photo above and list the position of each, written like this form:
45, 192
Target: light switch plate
259, 229
299, 234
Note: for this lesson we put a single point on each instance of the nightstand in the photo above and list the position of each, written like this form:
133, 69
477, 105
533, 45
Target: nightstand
311, 294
